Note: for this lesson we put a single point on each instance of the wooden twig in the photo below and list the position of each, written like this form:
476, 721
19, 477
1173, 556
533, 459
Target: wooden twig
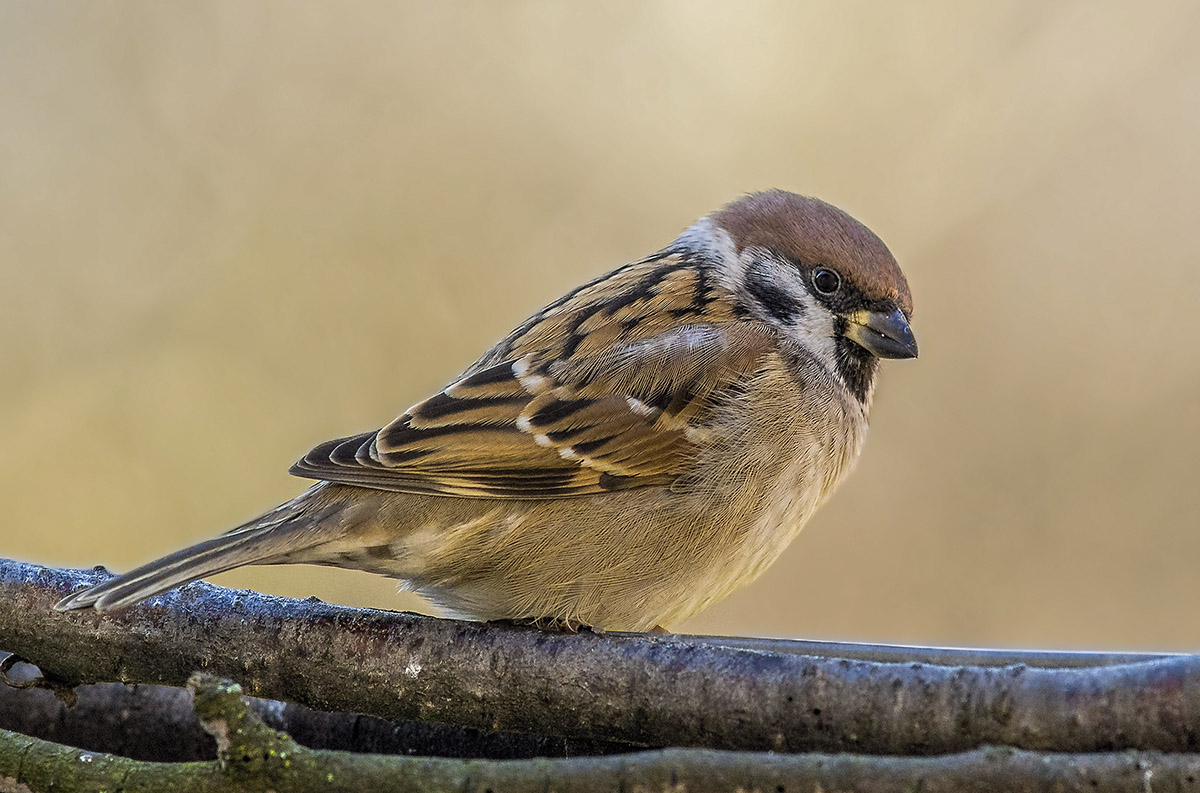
643, 690
253, 756
939, 656
148, 722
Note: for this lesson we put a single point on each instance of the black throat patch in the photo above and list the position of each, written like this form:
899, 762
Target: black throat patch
854, 364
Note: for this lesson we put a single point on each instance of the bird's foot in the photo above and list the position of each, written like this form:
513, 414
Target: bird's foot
552, 625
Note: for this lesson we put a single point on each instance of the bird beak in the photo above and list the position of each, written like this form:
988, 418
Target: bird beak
882, 335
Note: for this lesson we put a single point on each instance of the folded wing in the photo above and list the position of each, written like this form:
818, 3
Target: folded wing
624, 408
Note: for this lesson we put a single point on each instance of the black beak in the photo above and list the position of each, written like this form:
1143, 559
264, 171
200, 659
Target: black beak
882, 335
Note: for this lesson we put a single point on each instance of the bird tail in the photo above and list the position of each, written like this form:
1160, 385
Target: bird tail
280, 533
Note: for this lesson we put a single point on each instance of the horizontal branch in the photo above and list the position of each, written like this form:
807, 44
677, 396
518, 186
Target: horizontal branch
939, 656
646, 690
255, 756
148, 722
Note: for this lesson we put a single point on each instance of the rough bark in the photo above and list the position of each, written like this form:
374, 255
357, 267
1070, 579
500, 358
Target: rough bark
147, 722
645, 690
255, 757
937, 656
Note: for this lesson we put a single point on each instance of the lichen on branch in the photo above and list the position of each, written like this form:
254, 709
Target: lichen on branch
253, 757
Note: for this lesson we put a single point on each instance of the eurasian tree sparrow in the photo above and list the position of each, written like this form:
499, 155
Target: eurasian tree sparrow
627, 456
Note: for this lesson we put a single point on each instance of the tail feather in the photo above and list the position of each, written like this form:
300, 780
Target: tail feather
278, 533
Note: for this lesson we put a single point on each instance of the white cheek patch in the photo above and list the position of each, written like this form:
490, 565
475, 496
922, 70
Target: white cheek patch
781, 298
811, 325
816, 328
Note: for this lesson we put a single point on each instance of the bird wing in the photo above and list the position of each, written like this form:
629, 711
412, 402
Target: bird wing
624, 408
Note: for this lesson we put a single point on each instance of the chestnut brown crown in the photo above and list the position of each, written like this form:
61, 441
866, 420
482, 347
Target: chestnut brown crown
812, 232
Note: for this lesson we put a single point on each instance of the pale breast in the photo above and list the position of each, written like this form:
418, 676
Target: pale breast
796, 446
638, 558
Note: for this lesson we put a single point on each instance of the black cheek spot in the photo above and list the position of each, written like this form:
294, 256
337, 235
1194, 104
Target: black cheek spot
778, 303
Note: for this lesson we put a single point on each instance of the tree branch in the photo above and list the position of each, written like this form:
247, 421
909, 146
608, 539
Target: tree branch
938, 656
647, 690
148, 722
255, 757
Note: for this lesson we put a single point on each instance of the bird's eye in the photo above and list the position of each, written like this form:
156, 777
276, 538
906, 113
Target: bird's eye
826, 281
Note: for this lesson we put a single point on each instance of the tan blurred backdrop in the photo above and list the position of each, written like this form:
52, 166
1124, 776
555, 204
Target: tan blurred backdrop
229, 231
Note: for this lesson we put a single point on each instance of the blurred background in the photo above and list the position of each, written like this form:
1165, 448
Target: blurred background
230, 231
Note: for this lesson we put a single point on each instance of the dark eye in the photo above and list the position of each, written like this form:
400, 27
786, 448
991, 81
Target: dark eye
826, 281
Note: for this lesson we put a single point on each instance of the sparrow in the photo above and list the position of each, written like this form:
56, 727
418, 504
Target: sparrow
628, 455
